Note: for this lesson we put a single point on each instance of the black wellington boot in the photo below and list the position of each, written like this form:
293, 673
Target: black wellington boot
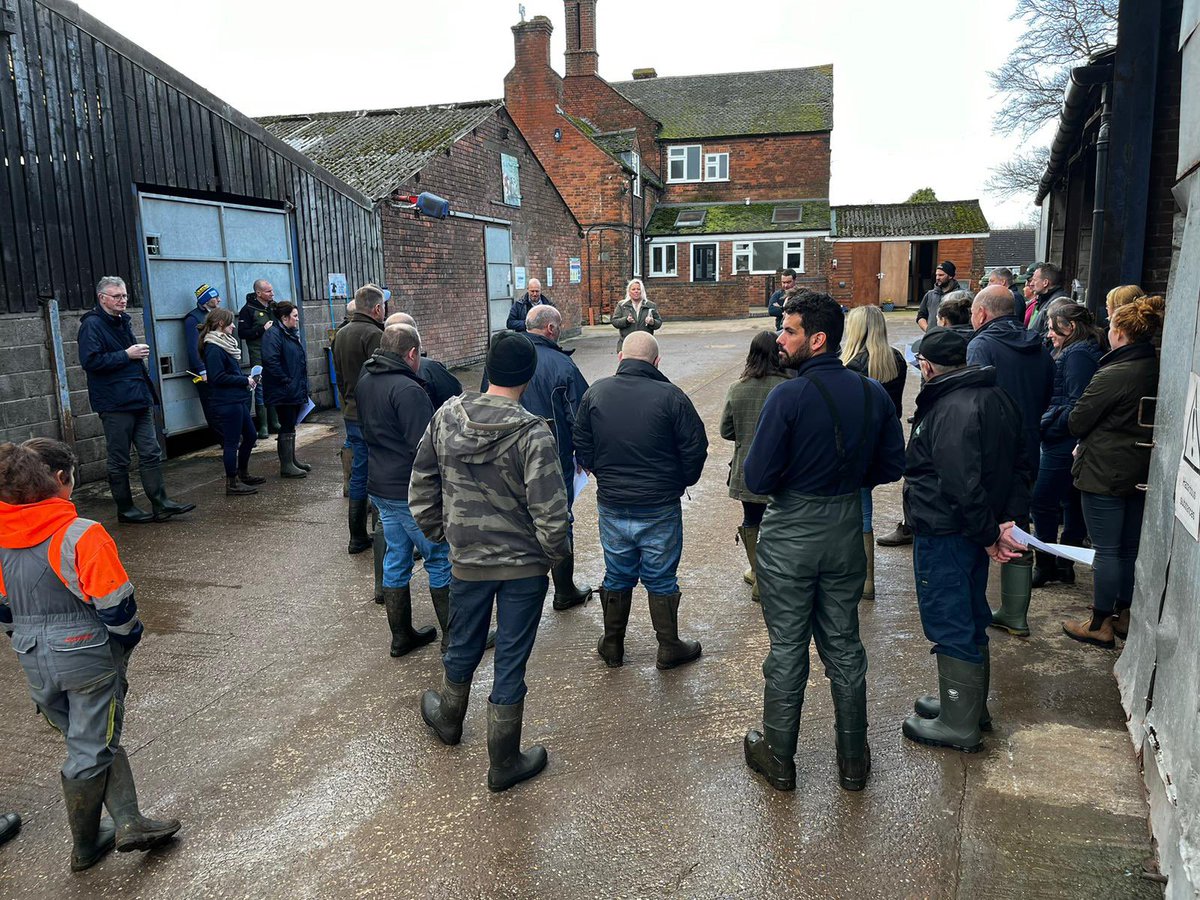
360, 541
134, 831
566, 592
779, 771
853, 753
444, 710
441, 609
379, 551
929, 706
616, 606
91, 836
510, 764
1045, 569
664, 614
234, 487
10, 824
405, 639
122, 495
962, 693
156, 490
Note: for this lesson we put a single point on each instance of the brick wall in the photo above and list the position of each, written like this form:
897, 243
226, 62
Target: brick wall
761, 168
594, 99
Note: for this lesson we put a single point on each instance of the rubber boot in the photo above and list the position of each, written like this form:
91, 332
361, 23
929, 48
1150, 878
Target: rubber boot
260, 418
868, 592
302, 466
441, 609
444, 710
285, 446
616, 606
378, 550
962, 691
405, 639
1120, 624
672, 652
346, 455
234, 487
850, 729
122, 495
1016, 580
1045, 569
156, 490
510, 764
929, 706
749, 536
134, 831
10, 824
272, 420
245, 477
898, 538
91, 836
360, 541
779, 771
1096, 629
566, 592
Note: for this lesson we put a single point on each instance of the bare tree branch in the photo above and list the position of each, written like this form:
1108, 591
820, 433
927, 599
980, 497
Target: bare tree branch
1020, 176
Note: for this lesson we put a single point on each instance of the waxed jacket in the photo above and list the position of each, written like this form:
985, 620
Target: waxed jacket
352, 346
285, 366
252, 321
394, 410
226, 381
115, 382
739, 420
645, 319
1073, 370
1109, 460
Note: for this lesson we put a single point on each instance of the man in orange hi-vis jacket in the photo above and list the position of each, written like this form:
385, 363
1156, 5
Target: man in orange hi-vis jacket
68, 606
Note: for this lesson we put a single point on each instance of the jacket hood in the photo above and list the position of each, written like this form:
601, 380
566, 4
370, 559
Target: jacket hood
967, 377
99, 312
542, 341
482, 427
29, 524
384, 363
1010, 331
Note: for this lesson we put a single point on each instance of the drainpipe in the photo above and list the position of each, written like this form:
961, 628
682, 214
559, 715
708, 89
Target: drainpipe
66, 420
1095, 300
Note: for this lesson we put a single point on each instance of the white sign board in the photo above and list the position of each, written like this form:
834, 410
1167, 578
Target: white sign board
1187, 482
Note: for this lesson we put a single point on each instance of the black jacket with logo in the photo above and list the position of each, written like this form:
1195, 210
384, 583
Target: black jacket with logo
394, 410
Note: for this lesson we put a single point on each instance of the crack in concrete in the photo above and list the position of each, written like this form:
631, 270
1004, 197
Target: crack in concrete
958, 836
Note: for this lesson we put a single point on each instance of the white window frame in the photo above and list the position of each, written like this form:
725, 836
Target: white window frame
742, 250
637, 254
715, 159
790, 247
745, 250
679, 153
636, 162
716, 261
658, 261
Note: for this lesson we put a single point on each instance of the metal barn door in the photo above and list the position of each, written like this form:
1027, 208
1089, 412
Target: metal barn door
498, 245
893, 272
187, 243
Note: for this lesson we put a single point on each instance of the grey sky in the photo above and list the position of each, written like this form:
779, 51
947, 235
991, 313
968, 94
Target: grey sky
912, 103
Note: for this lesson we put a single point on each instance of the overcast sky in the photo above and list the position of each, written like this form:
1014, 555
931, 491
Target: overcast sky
913, 106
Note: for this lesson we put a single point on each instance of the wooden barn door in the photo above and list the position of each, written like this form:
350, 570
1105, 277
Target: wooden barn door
893, 266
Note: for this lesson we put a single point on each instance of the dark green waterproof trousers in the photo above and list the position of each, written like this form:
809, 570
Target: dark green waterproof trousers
811, 570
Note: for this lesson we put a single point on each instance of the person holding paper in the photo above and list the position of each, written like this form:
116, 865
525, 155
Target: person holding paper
229, 401
285, 383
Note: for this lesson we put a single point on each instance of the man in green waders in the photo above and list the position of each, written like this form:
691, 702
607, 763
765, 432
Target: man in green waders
822, 437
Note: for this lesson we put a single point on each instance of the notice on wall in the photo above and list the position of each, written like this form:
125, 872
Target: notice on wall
519, 275
575, 265
337, 284
1187, 481
549, 277
510, 178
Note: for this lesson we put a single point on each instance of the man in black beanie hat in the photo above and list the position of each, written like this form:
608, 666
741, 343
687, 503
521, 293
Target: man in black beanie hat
487, 480
943, 283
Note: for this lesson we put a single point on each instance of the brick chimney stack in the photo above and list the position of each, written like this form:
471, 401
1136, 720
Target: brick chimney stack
582, 58
532, 43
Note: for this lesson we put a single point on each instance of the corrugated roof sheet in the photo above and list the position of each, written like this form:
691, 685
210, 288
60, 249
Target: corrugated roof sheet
376, 150
783, 101
1007, 246
740, 218
886, 220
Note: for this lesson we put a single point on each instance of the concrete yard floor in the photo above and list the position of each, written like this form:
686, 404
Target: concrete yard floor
266, 714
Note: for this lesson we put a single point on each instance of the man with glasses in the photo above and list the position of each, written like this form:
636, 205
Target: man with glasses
121, 392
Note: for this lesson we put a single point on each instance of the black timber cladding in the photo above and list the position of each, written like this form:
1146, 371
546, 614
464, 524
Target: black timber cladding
86, 115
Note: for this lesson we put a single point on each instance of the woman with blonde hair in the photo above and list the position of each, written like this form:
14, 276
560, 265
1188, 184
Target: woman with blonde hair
1122, 294
635, 312
865, 350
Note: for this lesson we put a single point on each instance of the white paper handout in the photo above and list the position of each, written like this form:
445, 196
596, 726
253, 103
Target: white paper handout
308, 407
581, 481
1084, 555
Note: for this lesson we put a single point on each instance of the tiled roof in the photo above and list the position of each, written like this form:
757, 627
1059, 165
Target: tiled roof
376, 150
740, 218
784, 101
909, 219
616, 141
1007, 246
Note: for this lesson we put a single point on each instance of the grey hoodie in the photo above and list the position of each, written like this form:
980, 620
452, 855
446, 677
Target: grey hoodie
487, 480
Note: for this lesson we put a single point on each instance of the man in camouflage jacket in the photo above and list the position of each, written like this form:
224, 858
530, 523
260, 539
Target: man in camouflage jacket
487, 480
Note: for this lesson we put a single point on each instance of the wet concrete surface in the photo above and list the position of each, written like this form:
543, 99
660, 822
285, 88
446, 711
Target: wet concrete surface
266, 713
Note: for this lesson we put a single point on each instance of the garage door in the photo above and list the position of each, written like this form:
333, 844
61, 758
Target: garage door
187, 243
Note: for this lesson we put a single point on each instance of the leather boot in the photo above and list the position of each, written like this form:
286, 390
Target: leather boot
245, 477
441, 609
509, 763
360, 541
929, 706
1120, 624
962, 693
868, 592
850, 727
1045, 569
444, 710
405, 639
260, 418
134, 831
1016, 580
898, 538
122, 495
779, 771
235, 487
1095, 629
616, 606
378, 550
566, 592
285, 446
156, 490
672, 652
749, 536
346, 455
10, 824
91, 836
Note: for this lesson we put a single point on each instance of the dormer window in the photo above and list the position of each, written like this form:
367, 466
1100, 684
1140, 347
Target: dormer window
690, 218
786, 215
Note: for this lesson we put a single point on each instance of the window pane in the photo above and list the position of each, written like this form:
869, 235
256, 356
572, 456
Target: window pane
768, 256
677, 169
670, 256
723, 169
693, 163
795, 256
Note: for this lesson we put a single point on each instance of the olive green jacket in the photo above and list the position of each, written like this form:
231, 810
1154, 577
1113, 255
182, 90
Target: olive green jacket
743, 403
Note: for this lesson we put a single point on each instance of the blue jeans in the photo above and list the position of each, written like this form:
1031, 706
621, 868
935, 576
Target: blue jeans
952, 576
641, 542
358, 468
236, 426
1115, 524
518, 611
868, 509
402, 534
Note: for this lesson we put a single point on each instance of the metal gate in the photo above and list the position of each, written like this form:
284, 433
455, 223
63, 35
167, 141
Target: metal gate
498, 243
186, 243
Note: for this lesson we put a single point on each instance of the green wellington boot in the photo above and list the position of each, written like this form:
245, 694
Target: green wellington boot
616, 606
1016, 590
260, 418
962, 691
929, 706
444, 710
91, 837
749, 538
285, 448
510, 764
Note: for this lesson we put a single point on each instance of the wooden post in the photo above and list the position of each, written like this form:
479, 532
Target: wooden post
66, 421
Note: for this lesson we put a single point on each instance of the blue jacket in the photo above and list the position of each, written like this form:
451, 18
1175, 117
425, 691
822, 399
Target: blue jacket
1023, 368
115, 382
191, 337
520, 309
795, 448
226, 381
554, 394
285, 366
1073, 371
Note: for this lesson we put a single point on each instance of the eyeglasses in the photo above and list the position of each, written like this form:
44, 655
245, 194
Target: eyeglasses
117, 296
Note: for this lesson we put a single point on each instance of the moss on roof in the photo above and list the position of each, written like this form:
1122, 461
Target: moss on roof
948, 217
740, 218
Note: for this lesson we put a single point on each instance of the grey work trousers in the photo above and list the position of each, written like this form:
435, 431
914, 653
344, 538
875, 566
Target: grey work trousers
134, 428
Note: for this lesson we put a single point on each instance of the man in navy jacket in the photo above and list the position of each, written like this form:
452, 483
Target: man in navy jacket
120, 391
